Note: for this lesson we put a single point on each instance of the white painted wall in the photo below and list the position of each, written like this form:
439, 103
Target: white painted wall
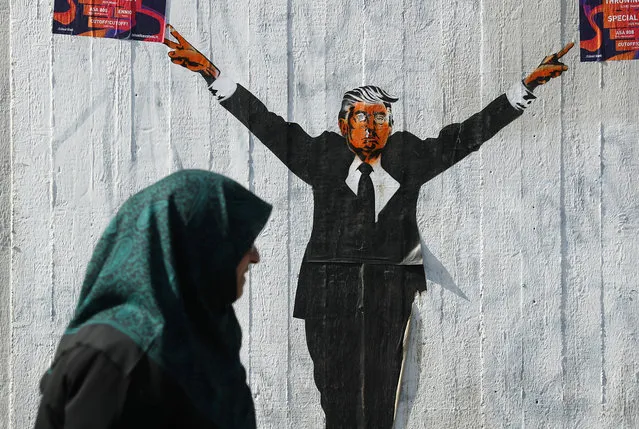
5, 217
532, 318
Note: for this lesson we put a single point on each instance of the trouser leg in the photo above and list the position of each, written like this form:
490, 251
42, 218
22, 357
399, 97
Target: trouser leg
387, 306
356, 343
334, 348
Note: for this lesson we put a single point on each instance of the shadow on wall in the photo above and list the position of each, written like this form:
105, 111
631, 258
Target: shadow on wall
409, 380
437, 273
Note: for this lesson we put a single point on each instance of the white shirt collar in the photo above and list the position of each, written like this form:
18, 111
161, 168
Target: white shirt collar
384, 184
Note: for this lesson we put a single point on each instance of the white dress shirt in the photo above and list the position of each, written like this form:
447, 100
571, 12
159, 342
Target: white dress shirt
384, 184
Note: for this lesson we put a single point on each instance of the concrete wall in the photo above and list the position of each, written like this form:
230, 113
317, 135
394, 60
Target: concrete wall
532, 314
5, 217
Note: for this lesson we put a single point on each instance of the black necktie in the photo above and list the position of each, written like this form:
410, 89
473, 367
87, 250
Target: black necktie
366, 195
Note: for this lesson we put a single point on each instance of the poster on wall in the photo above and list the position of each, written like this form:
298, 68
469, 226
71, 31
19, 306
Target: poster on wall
114, 19
609, 30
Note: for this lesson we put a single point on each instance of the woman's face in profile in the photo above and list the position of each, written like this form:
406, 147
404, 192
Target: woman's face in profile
250, 257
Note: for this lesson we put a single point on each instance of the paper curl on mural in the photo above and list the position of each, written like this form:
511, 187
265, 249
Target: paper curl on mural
363, 263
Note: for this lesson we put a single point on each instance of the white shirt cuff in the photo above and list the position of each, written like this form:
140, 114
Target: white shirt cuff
519, 96
222, 88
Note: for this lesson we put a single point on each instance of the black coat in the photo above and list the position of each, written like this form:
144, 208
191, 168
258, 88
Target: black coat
109, 382
323, 163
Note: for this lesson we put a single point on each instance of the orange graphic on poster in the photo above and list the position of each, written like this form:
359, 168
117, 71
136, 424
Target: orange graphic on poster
616, 16
118, 19
91, 10
625, 33
115, 24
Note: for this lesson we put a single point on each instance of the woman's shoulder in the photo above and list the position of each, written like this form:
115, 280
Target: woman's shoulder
103, 366
101, 341
93, 351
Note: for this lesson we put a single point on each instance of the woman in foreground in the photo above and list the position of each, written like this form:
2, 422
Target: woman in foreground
154, 341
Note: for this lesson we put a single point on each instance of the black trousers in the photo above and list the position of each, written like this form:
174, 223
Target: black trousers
354, 333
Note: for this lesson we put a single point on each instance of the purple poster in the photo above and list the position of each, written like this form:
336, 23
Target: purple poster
609, 30
115, 19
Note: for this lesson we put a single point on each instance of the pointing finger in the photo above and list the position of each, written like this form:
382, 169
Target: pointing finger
180, 39
558, 67
171, 44
565, 49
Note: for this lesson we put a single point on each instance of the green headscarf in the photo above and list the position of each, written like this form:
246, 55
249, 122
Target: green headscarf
164, 274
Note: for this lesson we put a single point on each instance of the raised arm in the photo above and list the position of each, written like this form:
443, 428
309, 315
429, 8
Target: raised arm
287, 140
456, 141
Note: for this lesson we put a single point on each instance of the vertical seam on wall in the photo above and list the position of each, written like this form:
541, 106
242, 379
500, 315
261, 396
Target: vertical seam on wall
521, 220
289, 107
251, 145
563, 247
133, 143
405, 338
403, 95
563, 226
212, 100
442, 46
362, 354
602, 307
115, 153
52, 309
169, 118
442, 121
363, 16
10, 400
482, 328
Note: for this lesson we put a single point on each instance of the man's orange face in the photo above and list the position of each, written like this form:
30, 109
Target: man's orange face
366, 129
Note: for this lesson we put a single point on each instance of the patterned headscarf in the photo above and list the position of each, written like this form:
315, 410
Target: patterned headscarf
164, 274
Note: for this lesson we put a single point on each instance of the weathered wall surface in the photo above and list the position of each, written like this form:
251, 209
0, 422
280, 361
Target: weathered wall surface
5, 217
532, 314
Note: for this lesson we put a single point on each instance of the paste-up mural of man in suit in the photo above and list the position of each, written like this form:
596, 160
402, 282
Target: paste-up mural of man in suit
363, 263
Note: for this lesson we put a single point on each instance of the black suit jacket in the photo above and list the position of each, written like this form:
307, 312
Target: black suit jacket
323, 162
